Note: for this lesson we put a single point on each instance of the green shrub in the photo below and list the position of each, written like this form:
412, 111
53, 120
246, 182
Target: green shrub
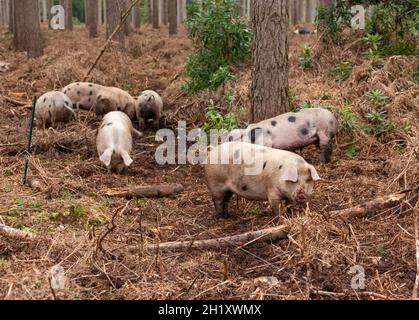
347, 117
305, 58
342, 71
376, 98
332, 20
221, 39
216, 120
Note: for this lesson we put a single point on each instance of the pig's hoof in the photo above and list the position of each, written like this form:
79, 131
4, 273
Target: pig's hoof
223, 216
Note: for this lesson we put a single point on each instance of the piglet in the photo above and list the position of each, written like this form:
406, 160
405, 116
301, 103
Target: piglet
292, 131
257, 173
149, 107
114, 141
52, 108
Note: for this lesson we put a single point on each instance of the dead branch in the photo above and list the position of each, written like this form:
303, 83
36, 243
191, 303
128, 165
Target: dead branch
15, 102
340, 295
16, 234
371, 207
266, 235
156, 191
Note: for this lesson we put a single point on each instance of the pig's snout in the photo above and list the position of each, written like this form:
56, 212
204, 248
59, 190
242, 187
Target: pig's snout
301, 197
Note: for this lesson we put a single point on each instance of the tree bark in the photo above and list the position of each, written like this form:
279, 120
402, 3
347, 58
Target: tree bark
242, 7
155, 14
113, 19
136, 17
33, 38
68, 11
269, 86
91, 17
15, 234
173, 20
150, 11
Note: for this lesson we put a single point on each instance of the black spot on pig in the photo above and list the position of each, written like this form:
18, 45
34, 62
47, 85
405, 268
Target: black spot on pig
74, 106
304, 131
237, 154
99, 97
45, 100
77, 84
109, 124
50, 114
90, 85
280, 167
91, 93
274, 123
66, 103
269, 132
78, 93
50, 106
245, 188
254, 133
264, 165
292, 119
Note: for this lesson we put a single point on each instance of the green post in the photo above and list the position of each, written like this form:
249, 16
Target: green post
29, 146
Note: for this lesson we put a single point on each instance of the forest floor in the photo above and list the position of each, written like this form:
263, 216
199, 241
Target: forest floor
71, 212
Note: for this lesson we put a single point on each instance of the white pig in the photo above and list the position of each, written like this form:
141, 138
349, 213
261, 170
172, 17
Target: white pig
114, 141
282, 175
54, 107
291, 131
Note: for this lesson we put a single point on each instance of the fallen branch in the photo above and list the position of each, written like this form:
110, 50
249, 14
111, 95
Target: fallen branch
266, 235
371, 207
16, 234
340, 295
156, 191
15, 102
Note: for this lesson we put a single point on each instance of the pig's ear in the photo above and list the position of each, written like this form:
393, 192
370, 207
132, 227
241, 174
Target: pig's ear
289, 173
127, 159
314, 175
106, 157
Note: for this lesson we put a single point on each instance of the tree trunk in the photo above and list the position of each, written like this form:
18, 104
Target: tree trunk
100, 12
155, 14
27, 29
165, 13
293, 12
136, 17
242, 7
113, 17
127, 25
49, 15
150, 11
68, 11
173, 17
11, 16
269, 59
91, 18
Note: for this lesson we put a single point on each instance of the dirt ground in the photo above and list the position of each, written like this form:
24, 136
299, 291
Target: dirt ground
71, 211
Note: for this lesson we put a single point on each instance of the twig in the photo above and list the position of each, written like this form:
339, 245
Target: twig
15, 102
154, 191
113, 227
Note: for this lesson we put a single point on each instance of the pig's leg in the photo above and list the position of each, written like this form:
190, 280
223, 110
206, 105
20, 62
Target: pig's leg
221, 201
326, 147
141, 124
274, 202
156, 123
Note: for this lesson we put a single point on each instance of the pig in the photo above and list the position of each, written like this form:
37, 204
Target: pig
283, 175
4, 66
149, 107
292, 131
83, 93
52, 108
114, 141
110, 99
